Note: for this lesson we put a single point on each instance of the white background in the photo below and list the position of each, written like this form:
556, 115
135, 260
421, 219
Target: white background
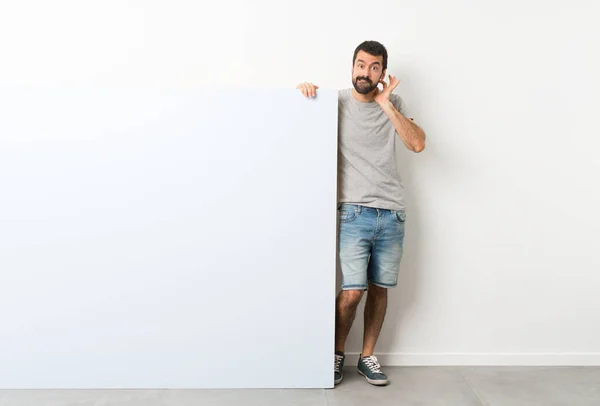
501, 262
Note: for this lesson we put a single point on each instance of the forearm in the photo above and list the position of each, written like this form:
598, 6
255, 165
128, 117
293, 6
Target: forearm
411, 134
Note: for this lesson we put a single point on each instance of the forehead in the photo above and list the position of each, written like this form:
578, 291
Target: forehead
368, 58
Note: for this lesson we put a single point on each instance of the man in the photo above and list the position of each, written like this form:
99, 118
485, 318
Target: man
371, 199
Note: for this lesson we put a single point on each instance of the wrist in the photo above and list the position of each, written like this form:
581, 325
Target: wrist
386, 105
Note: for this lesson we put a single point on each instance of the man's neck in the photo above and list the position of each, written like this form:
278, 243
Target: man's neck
363, 98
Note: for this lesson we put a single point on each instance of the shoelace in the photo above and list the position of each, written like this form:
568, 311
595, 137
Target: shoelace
373, 364
337, 363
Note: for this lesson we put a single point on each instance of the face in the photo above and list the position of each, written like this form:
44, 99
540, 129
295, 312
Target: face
366, 72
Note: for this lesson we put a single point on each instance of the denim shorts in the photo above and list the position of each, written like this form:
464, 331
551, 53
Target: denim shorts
370, 246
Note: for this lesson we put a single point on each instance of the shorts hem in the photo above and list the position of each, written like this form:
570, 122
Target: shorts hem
384, 285
354, 287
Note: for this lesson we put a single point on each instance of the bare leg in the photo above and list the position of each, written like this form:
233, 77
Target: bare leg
375, 309
345, 311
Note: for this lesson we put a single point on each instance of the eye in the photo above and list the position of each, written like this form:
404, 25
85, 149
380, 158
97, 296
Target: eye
375, 68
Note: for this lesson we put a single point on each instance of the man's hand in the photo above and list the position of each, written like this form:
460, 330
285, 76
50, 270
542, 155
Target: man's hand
411, 134
383, 96
308, 89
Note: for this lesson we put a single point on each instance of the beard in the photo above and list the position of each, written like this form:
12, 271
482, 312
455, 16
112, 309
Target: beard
365, 86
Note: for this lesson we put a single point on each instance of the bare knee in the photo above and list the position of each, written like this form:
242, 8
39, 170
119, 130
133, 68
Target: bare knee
348, 300
377, 291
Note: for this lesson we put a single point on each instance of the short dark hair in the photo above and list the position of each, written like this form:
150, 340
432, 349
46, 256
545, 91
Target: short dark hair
372, 48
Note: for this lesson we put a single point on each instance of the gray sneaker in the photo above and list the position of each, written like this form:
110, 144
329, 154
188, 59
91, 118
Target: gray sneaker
369, 368
338, 366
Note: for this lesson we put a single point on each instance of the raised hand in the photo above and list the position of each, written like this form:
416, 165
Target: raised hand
383, 96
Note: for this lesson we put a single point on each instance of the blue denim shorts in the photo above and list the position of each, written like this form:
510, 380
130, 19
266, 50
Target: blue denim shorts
370, 246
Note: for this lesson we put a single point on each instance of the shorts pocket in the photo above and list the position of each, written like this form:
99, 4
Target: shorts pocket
400, 216
347, 214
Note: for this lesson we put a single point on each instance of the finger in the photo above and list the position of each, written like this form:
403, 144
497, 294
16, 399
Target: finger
309, 90
393, 83
301, 88
305, 90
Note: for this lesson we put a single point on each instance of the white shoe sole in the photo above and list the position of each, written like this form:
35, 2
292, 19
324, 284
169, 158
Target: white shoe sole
373, 381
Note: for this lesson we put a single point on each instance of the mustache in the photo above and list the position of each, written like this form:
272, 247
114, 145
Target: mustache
363, 78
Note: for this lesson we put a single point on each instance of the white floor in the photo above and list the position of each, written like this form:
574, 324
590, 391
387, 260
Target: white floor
425, 386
